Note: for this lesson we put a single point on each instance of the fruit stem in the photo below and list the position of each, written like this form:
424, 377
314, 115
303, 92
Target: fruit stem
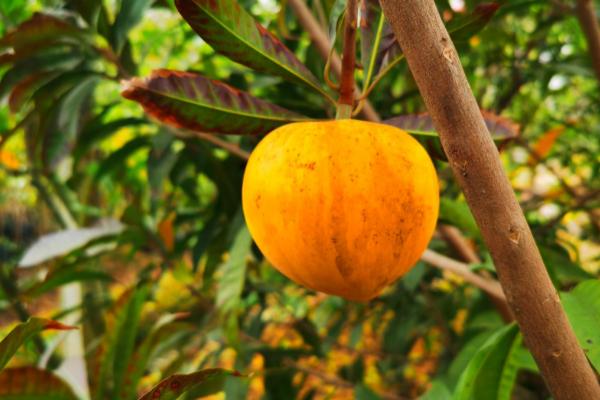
346, 99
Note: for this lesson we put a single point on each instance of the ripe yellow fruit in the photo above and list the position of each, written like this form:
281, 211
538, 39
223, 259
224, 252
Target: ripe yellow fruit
343, 207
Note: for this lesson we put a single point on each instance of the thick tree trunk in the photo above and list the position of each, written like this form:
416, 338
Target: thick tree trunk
474, 159
589, 24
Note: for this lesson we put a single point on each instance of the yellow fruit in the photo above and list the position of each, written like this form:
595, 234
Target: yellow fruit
344, 207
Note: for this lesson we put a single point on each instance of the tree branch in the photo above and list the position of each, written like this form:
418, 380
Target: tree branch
346, 100
489, 286
589, 25
474, 159
321, 41
454, 237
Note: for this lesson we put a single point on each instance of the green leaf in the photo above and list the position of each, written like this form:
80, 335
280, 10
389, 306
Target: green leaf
51, 60
457, 213
29, 383
116, 160
233, 275
130, 14
201, 383
22, 332
61, 278
462, 28
165, 330
60, 132
582, 305
501, 129
191, 101
38, 32
231, 31
362, 392
492, 372
437, 391
562, 270
372, 23
120, 342
94, 133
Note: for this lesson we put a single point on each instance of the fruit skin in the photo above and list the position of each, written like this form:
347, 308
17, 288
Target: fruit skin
344, 207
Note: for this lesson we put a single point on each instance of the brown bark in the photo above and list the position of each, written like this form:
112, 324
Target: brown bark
489, 286
453, 236
475, 161
321, 40
349, 57
587, 19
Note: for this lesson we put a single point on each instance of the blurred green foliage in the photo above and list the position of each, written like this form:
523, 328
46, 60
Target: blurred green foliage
177, 286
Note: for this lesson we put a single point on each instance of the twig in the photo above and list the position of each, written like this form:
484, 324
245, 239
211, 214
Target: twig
475, 161
442, 262
589, 25
346, 100
321, 41
454, 237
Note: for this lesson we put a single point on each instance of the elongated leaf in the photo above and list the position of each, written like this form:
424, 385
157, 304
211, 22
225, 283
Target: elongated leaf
22, 332
60, 132
29, 383
191, 101
23, 90
231, 31
119, 343
437, 391
164, 330
457, 213
56, 280
563, 271
201, 383
582, 305
130, 14
52, 60
59, 243
462, 28
372, 24
501, 129
492, 372
231, 283
117, 159
94, 133
39, 31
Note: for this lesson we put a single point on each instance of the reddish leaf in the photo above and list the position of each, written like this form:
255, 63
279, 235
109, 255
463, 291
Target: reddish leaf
24, 331
231, 31
32, 383
37, 32
501, 129
166, 231
191, 101
201, 383
544, 144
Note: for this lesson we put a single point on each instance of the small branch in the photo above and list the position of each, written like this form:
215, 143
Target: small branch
589, 25
442, 262
321, 41
475, 161
346, 100
211, 138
